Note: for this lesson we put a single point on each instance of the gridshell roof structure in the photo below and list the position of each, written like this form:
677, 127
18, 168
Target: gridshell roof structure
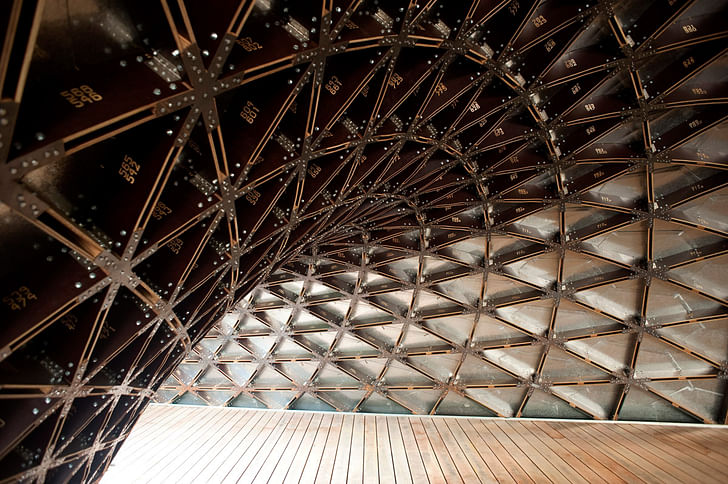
512, 208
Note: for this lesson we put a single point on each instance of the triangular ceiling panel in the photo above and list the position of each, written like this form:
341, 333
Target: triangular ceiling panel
212, 377
707, 276
657, 359
704, 338
492, 332
613, 352
641, 404
310, 402
377, 403
669, 303
622, 300
421, 401
597, 400
573, 319
520, 360
451, 328
455, 404
703, 398
533, 317
560, 366
505, 401
544, 404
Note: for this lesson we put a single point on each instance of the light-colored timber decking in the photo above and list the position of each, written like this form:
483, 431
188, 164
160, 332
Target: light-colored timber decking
176, 444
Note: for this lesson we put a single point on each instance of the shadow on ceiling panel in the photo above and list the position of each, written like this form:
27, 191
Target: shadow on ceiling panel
310, 402
622, 299
455, 404
440, 367
520, 360
532, 317
506, 400
704, 397
670, 303
641, 404
377, 403
298, 371
492, 332
399, 374
613, 352
474, 371
385, 335
627, 245
709, 211
343, 400
245, 400
704, 337
709, 276
276, 399
575, 320
349, 345
331, 376
420, 400
560, 366
454, 329
470, 251
465, 290
599, 400
657, 359
545, 405
540, 271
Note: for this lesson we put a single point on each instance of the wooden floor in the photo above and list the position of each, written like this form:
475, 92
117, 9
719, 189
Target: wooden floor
207, 444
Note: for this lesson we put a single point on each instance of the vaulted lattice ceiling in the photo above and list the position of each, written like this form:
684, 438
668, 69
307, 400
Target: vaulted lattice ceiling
532, 192
467, 327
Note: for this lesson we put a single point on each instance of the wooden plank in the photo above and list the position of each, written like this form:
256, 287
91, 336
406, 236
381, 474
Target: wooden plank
449, 470
718, 436
356, 454
432, 466
156, 435
189, 452
549, 469
399, 454
203, 444
371, 464
151, 419
343, 451
315, 453
531, 470
466, 471
192, 456
573, 468
683, 456
147, 428
628, 470
329, 454
299, 461
577, 451
180, 433
384, 450
271, 430
645, 453
694, 438
415, 464
471, 453
494, 464
677, 438
224, 456
183, 434
286, 446
269, 449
